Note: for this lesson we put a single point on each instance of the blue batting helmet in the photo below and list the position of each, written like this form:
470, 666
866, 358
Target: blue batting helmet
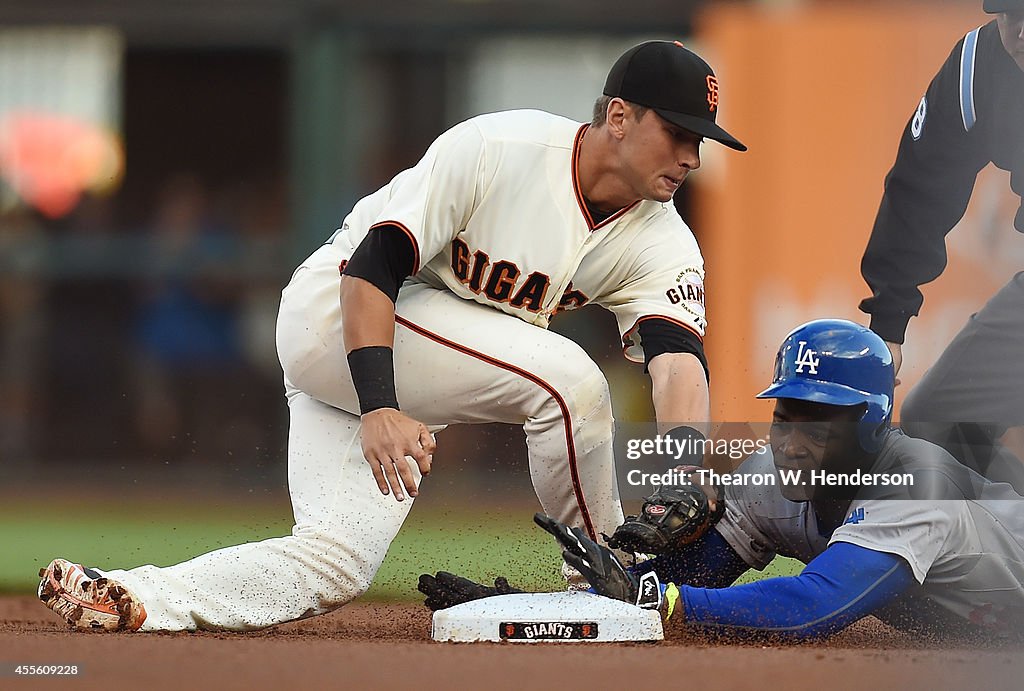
838, 362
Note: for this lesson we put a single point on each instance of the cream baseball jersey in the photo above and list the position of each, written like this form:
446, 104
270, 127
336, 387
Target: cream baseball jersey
496, 215
500, 240
968, 555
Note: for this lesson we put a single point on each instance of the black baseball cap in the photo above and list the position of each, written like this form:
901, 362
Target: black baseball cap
675, 83
997, 6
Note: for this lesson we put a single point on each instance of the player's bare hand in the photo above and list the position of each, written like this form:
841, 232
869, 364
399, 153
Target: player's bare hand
897, 358
389, 437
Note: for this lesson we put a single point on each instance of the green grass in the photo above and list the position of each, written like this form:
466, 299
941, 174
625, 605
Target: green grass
474, 544
111, 536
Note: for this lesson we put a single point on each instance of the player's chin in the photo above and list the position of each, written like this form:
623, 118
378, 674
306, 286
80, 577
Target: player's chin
662, 194
665, 188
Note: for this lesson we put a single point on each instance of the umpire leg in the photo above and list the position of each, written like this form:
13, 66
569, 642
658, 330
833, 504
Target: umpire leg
975, 391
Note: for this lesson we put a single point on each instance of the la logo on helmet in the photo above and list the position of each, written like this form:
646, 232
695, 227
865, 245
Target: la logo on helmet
806, 357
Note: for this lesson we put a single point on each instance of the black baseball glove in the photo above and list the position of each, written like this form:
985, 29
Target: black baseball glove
669, 518
447, 590
605, 573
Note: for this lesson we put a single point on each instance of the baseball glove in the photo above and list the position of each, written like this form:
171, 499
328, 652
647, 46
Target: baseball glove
447, 590
598, 564
668, 519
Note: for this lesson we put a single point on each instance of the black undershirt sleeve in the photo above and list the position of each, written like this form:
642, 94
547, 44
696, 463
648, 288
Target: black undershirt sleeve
385, 257
659, 336
927, 192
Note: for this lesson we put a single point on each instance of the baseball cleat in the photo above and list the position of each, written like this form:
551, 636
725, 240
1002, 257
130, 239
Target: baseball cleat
88, 600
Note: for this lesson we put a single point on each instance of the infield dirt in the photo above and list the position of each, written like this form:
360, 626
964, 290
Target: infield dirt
388, 646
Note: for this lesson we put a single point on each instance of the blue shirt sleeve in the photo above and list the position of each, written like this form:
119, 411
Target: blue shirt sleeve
841, 585
709, 562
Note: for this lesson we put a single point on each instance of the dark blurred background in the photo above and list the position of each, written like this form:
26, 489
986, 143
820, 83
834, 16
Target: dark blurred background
166, 165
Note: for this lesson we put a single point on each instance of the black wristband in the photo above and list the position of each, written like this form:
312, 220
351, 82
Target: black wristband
689, 443
373, 375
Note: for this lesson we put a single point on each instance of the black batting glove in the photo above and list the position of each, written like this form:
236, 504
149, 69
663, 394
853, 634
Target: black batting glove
605, 573
447, 590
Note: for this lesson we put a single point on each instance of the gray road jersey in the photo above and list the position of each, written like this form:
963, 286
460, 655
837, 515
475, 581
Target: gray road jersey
968, 555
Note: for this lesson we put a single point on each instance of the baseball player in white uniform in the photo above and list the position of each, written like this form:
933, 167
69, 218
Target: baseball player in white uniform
886, 524
428, 307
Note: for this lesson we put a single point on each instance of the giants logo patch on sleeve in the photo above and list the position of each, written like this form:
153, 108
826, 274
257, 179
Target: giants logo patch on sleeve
688, 293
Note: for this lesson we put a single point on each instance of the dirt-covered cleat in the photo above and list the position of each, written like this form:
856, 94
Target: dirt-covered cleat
87, 599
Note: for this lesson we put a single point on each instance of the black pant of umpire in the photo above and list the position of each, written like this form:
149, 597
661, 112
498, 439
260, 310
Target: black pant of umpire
975, 390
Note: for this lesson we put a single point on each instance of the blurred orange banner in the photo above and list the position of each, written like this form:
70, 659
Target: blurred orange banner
821, 95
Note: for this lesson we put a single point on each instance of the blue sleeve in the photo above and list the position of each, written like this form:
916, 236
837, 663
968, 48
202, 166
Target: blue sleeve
709, 562
841, 585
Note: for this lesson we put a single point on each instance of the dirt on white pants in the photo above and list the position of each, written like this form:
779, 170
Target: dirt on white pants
455, 362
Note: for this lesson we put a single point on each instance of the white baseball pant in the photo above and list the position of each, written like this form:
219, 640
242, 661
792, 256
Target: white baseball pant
456, 362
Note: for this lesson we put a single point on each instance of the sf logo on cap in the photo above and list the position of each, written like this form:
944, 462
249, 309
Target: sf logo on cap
806, 357
712, 92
